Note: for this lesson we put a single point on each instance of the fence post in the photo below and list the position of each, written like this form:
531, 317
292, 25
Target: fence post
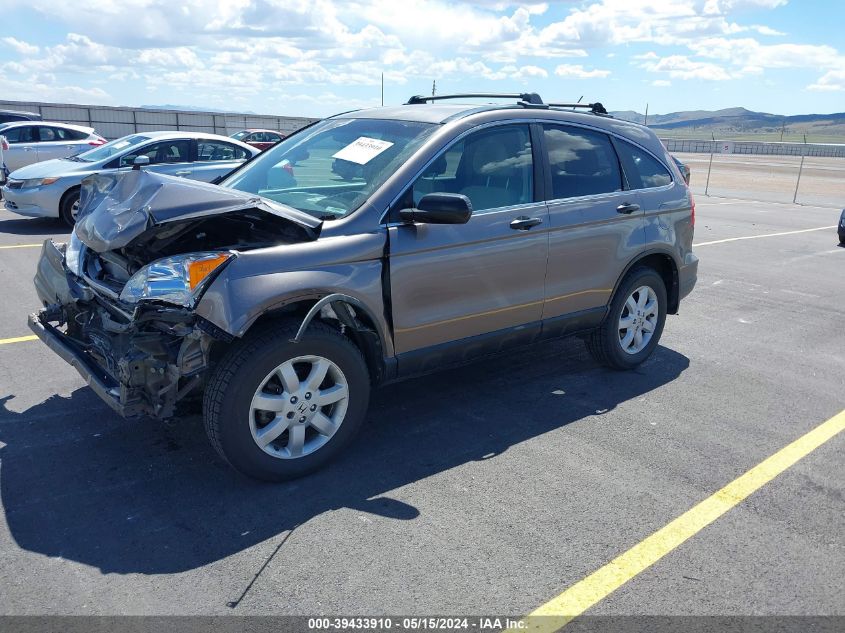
710, 166
800, 169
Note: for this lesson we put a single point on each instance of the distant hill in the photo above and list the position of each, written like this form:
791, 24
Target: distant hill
742, 123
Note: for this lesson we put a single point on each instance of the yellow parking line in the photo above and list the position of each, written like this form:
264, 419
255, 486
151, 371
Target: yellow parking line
558, 611
19, 246
756, 237
17, 339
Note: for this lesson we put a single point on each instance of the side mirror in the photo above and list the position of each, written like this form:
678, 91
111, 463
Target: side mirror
440, 208
140, 161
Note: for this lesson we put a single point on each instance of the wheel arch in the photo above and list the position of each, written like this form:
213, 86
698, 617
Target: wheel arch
351, 316
65, 195
662, 262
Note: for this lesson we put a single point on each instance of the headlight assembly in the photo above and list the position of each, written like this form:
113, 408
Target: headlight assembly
179, 280
73, 255
37, 182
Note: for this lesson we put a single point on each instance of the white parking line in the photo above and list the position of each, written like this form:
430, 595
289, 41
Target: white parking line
755, 237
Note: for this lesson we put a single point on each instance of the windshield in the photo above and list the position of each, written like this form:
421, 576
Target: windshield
330, 169
111, 148
239, 136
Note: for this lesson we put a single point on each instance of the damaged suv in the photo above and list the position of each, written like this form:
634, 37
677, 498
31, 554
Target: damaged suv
368, 247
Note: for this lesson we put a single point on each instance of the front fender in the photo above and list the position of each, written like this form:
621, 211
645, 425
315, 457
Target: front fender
264, 280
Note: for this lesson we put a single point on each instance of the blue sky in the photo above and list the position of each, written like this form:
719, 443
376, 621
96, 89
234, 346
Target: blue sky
315, 57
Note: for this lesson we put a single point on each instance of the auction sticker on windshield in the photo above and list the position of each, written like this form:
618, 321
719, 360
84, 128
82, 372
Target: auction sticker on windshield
362, 150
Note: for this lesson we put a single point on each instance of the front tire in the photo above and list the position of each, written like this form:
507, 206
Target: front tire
277, 410
634, 323
69, 207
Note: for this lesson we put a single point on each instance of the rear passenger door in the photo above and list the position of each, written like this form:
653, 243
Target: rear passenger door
451, 284
55, 142
596, 225
216, 158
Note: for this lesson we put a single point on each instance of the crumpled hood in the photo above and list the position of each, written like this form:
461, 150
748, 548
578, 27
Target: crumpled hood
116, 208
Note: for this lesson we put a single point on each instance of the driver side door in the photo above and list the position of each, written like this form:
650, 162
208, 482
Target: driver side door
463, 290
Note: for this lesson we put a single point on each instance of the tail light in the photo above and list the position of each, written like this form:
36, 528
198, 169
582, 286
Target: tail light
4, 143
97, 142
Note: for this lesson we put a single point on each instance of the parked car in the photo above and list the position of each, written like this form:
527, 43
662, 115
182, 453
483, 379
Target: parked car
17, 115
683, 168
262, 139
841, 229
51, 188
25, 142
371, 246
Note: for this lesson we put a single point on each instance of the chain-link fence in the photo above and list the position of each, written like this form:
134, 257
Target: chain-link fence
804, 173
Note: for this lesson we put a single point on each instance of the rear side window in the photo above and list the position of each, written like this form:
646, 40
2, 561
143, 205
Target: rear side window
582, 162
216, 150
493, 168
47, 134
642, 170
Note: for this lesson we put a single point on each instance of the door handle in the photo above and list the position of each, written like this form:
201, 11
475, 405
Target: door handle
627, 207
523, 223
184, 172
28, 149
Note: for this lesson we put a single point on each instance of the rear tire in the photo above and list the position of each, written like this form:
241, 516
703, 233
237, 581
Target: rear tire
633, 325
69, 207
267, 370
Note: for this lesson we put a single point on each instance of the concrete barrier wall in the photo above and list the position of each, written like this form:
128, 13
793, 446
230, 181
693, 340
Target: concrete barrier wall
114, 122
752, 147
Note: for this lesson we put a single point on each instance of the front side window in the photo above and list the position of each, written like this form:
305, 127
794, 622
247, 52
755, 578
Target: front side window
642, 170
582, 162
330, 169
163, 152
216, 150
22, 134
492, 167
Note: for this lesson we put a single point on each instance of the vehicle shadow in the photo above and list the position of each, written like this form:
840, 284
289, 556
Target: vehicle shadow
144, 497
33, 226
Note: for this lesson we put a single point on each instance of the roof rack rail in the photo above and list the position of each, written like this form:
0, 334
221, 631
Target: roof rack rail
531, 98
595, 108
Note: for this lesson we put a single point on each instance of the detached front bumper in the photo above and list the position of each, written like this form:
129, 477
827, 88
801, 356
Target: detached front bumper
103, 385
141, 363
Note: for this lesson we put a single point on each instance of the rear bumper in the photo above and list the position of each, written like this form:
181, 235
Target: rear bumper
687, 276
103, 385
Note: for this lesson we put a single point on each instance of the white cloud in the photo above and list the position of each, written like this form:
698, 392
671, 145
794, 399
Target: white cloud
661, 83
832, 81
682, 67
578, 71
20, 47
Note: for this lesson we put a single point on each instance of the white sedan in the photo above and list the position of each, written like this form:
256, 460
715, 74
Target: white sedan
27, 142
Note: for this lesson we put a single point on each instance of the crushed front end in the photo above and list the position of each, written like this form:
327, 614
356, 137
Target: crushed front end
119, 298
139, 362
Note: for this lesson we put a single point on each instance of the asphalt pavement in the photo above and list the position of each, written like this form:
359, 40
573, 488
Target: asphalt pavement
485, 489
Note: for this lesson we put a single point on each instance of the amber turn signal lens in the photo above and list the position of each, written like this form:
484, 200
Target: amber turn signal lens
202, 268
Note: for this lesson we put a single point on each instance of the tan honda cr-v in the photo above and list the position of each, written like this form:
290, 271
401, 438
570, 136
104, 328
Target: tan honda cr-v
368, 247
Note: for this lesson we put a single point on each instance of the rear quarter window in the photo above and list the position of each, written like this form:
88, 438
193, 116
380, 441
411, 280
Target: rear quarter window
642, 170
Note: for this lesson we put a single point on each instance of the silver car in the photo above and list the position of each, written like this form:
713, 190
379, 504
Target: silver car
28, 142
51, 189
